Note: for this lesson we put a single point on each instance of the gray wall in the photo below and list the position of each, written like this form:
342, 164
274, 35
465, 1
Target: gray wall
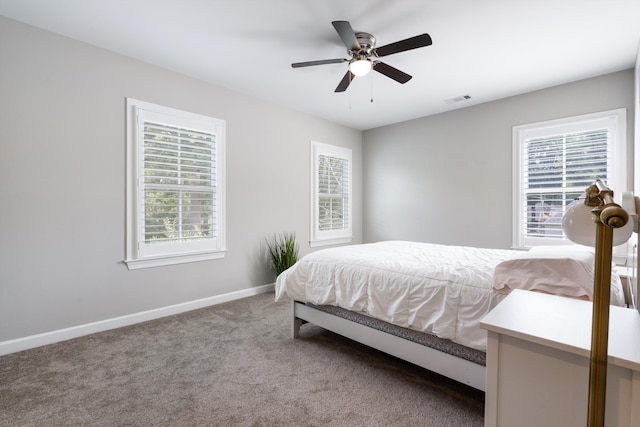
447, 178
62, 183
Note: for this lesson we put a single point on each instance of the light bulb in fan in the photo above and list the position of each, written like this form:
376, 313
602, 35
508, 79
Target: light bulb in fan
360, 66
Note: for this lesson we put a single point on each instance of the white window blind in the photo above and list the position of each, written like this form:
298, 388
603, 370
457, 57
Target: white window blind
179, 184
554, 163
333, 193
176, 205
331, 207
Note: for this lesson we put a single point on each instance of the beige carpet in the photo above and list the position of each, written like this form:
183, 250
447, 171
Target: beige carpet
228, 365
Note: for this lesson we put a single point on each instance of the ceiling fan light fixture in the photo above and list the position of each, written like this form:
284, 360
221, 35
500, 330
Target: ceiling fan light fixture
360, 66
364, 54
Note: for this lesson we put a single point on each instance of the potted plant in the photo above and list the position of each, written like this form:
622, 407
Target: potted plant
283, 251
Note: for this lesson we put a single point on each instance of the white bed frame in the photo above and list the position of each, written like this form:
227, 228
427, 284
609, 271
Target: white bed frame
445, 364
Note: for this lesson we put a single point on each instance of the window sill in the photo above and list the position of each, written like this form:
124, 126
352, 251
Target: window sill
135, 264
327, 242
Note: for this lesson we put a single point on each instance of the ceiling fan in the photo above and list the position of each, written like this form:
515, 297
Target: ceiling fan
364, 54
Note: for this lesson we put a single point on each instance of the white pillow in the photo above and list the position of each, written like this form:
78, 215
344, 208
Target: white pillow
558, 270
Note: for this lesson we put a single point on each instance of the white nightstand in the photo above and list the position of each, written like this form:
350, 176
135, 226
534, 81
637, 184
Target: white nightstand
538, 353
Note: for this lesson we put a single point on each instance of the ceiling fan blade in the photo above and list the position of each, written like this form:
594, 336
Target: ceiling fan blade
400, 46
347, 34
321, 62
345, 82
391, 72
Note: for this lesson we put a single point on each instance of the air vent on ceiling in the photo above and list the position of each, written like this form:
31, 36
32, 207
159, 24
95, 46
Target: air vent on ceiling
457, 99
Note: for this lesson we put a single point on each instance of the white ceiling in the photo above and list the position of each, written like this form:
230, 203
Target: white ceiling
487, 49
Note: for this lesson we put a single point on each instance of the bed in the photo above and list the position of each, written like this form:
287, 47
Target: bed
423, 302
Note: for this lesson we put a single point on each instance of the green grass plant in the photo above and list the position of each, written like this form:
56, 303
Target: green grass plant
283, 251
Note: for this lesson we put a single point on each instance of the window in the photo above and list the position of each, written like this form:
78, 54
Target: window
175, 186
331, 194
554, 162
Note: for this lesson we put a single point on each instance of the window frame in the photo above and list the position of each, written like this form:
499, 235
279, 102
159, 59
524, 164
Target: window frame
143, 255
331, 237
616, 168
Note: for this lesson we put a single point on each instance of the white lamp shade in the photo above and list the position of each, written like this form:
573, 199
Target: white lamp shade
578, 224
360, 67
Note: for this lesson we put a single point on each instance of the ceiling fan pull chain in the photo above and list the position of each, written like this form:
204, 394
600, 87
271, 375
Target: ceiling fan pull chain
371, 88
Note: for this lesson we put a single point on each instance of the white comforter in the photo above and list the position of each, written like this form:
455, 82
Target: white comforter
439, 289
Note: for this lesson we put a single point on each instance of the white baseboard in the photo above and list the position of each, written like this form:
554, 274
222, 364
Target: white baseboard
25, 343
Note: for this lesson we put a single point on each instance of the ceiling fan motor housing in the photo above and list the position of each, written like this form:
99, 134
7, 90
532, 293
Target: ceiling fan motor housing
367, 44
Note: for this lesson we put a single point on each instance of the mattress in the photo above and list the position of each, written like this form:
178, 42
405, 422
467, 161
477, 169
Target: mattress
441, 290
